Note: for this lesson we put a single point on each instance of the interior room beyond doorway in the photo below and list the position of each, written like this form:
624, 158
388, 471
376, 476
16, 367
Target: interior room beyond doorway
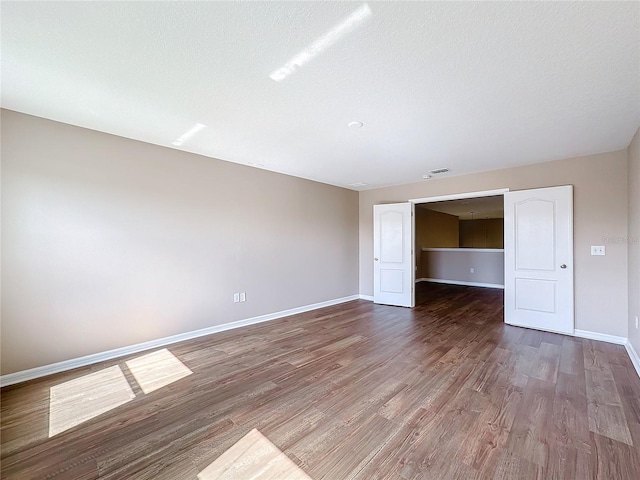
461, 242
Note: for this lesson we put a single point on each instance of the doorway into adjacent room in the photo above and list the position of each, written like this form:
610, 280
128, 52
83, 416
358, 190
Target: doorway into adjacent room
461, 242
536, 258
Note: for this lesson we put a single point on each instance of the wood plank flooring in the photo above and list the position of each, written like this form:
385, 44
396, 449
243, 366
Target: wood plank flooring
254, 457
355, 391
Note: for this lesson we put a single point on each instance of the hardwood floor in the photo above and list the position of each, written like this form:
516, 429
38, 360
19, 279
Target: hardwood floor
354, 391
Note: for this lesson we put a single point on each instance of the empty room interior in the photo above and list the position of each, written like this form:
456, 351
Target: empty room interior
320, 240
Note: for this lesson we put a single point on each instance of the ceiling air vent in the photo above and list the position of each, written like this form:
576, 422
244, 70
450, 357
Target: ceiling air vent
439, 170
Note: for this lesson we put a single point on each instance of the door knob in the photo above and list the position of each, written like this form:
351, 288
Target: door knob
376, 259
563, 266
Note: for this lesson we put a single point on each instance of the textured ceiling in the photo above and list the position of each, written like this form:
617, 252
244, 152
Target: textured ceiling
469, 86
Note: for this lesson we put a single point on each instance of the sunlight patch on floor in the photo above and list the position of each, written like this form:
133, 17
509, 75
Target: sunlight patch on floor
81, 399
156, 370
76, 401
253, 457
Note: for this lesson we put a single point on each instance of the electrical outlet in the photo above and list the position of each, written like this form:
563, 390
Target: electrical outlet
472, 270
243, 297
597, 250
236, 297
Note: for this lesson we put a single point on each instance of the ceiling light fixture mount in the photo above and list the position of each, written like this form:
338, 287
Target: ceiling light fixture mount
356, 124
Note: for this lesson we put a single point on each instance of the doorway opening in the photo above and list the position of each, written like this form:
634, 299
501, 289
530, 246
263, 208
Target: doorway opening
459, 241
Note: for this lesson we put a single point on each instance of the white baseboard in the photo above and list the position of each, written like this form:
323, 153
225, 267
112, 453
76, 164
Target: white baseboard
457, 282
603, 337
37, 372
65, 365
633, 355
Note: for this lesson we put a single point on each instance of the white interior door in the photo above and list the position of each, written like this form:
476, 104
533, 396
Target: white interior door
538, 244
393, 265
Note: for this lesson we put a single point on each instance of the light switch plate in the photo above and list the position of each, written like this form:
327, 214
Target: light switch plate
597, 250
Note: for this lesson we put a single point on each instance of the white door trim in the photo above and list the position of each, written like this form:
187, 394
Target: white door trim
459, 196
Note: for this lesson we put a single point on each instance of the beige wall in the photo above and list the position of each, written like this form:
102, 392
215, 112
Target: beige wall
456, 266
108, 242
600, 210
633, 244
482, 233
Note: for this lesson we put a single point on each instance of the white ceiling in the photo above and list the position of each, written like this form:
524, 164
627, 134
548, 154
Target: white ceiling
469, 86
470, 208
